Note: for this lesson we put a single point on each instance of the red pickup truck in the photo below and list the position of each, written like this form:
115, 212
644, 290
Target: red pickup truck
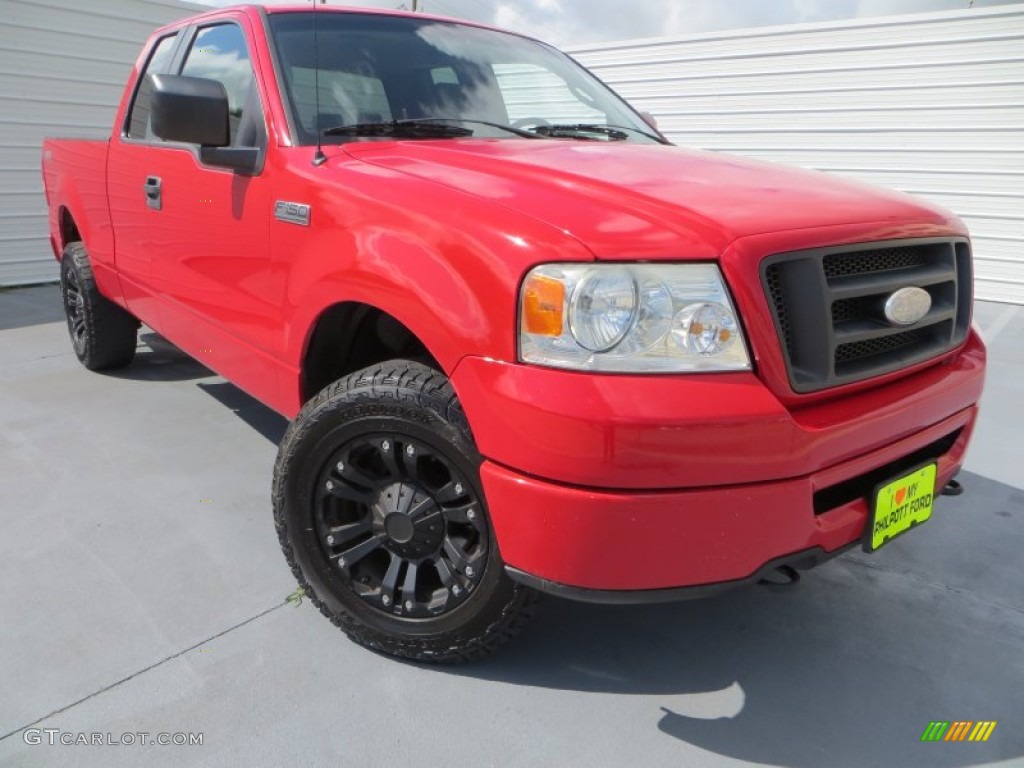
526, 343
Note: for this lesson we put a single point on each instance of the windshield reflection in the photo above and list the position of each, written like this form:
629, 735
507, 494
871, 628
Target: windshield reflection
378, 69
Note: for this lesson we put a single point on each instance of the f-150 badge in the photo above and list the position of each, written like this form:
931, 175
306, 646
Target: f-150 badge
293, 213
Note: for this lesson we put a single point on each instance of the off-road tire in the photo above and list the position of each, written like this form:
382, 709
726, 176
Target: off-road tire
103, 335
415, 403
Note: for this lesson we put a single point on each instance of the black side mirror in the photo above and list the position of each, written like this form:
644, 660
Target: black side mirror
195, 110
190, 109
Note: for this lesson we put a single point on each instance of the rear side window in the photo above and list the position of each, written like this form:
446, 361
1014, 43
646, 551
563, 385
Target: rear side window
138, 120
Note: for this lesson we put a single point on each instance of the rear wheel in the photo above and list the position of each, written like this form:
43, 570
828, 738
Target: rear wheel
103, 335
381, 516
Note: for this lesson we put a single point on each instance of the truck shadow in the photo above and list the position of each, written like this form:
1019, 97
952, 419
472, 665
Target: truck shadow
846, 669
157, 359
269, 423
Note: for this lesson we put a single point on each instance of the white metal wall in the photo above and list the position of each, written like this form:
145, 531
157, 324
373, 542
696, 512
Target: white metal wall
63, 65
932, 104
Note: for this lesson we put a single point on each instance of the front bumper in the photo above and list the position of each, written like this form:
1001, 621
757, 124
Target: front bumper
627, 540
619, 486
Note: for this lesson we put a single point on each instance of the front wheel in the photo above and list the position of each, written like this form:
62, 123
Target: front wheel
381, 516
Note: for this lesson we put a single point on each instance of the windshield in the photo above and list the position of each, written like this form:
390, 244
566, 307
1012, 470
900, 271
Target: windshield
379, 69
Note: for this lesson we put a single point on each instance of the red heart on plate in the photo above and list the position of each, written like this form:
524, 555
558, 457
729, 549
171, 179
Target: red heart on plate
900, 495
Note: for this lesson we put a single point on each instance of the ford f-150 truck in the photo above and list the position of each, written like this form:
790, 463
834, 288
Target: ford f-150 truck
526, 344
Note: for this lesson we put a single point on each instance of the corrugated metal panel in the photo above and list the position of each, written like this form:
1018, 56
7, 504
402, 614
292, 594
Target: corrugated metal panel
932, 104
62, 69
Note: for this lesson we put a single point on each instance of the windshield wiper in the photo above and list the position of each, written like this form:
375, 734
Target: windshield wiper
580, 130
500, 126
434, 126
402, 128
440, 127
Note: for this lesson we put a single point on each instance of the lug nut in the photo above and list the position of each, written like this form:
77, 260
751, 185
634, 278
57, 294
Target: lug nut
471, 514
456, 590
469, 570
341, 466
330, 485
386, 600
410, 450
386, 445
341, 562
330, 539
458, 488
408, 605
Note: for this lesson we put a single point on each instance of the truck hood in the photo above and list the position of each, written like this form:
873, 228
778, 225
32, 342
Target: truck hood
647, 201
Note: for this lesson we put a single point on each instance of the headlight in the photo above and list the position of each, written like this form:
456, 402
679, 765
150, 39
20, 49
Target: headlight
602, 308
630, 318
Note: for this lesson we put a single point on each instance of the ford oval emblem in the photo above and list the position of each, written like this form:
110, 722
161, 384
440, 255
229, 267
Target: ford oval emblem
907, 305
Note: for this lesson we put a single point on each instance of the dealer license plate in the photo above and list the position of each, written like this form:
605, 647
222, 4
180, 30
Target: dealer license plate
900, 505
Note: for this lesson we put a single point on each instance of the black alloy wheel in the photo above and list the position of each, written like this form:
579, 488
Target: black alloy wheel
397, 517
74, 309
103, 334
382, 518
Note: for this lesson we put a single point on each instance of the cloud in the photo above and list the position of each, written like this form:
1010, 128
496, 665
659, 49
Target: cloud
568, 22
582, 21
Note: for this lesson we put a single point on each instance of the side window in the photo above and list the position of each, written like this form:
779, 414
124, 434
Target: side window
138, 120
220, 53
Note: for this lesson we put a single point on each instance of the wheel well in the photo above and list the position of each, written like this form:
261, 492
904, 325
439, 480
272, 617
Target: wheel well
351, 336
68, 229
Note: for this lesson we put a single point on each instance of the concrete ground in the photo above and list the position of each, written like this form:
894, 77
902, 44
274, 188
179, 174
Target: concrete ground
143, 591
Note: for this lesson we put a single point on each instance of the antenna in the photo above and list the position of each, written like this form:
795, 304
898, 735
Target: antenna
319, 158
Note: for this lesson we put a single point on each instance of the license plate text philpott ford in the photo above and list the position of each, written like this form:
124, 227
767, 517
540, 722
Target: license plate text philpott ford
900, 505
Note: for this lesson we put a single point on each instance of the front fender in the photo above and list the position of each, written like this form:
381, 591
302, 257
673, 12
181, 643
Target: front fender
445, 264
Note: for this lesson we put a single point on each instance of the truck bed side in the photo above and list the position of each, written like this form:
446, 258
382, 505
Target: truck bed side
75, 180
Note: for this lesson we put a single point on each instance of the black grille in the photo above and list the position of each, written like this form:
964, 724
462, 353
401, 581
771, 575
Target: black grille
877, 260
775, 289
845, 310
829, 308
858, 350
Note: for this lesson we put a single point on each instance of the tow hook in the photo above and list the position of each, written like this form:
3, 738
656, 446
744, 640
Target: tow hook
952, 488
783, 576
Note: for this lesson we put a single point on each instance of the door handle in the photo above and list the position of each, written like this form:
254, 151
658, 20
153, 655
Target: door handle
152, 188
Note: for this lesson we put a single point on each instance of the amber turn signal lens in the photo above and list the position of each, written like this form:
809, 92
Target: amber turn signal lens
543, 303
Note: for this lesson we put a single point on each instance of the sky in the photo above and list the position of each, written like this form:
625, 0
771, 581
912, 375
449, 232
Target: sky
568, 22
